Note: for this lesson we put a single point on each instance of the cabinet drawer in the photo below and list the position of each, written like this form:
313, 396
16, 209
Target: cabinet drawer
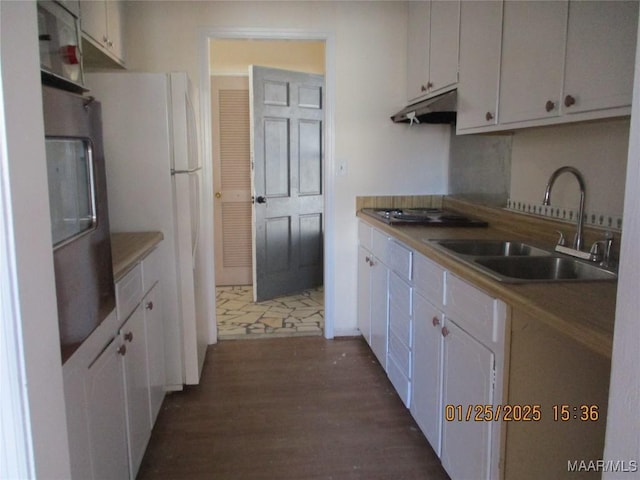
400, 353
129, 292
471, 309
399, 381
150, 270
400, 259
380, 245
400, 308
364, 235
428, 279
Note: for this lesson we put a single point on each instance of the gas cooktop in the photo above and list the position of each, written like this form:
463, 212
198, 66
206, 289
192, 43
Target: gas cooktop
433, 217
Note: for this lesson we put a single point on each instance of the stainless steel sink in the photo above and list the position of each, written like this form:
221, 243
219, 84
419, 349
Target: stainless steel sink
517, 262
491, 248
549, 269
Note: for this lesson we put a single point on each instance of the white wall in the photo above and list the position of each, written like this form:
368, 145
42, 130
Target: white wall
24, 178
598, 149
370, 64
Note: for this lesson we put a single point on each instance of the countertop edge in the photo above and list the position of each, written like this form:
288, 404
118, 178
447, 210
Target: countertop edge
128, 248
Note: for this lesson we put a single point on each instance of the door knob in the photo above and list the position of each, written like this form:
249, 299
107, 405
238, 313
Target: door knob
218, 194
261, 199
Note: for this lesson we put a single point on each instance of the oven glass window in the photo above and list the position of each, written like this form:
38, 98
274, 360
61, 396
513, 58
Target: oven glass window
71, 188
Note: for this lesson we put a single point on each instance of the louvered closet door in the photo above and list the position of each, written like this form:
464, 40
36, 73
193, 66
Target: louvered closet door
232, 180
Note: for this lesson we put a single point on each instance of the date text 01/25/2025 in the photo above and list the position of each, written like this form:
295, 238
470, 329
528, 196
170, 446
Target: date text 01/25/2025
520, 413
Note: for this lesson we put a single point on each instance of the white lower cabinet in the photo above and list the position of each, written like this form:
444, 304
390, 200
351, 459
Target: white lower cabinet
467, 384
427, 369
114, 382
446, 344
136, 377
106, 415
373, 280
154, 324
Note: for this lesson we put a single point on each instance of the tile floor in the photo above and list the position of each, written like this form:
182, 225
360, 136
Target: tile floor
296, 315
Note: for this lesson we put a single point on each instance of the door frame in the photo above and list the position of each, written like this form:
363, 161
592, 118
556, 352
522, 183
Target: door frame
207, 34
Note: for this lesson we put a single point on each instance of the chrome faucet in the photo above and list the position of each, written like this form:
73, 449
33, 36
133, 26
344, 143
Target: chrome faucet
577, 239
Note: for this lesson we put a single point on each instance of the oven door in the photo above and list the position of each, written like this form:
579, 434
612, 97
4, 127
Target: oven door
79, 215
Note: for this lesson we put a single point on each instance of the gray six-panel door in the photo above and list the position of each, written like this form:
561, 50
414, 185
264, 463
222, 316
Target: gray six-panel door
287, 142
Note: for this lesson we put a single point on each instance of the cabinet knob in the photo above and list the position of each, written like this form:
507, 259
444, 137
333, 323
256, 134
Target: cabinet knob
128, 336
549, 105
122, 350
218, 194
489, 116
445, 331
149, 306
569, 100
423, 88
429, 85
435, 321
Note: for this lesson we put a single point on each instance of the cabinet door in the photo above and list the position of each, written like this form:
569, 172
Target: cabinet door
115, 28
480, 44
154, 324
93, 20
467, 381
379, 310
106, 414
426, 382
74, 376
443, 42
418, 50
601, 41
137, 387
531, 73
364, 293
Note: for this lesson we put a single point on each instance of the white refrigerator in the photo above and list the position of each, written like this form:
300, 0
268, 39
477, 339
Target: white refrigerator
153, 182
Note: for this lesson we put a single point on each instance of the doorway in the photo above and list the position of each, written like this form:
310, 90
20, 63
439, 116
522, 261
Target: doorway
302, 312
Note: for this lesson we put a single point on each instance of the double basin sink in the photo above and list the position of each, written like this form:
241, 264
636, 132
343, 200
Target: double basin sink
517, 262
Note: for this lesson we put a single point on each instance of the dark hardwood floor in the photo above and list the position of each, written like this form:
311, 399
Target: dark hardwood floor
289, 409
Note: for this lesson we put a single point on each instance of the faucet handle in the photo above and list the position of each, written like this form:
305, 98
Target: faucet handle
562, 241
596, 250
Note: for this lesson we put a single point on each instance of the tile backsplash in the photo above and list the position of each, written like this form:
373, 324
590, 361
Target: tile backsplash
593, 218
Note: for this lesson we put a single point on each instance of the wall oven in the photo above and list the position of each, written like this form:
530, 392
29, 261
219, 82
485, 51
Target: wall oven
79, 215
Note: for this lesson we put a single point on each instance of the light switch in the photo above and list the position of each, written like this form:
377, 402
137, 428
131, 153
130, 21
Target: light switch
341, 168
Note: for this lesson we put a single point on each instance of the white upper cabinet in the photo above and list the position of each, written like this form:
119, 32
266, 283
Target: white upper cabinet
102, 25
480, 44
432, 42
418, 50
531, 72
601, 41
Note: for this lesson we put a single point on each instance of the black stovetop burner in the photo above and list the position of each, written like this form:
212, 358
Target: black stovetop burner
423, 216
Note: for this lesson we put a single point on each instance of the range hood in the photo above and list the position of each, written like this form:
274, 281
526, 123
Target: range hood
439, 109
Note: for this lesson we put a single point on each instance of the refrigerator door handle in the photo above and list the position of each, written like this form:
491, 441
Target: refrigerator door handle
196, 193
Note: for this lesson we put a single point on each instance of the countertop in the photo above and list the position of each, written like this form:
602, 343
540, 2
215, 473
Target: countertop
585, 311
128, 248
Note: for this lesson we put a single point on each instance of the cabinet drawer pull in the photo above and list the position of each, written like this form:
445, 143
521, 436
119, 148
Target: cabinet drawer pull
569, 100
122, 350
149, 306
445, 331
128, 336
549, 105
435, 321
